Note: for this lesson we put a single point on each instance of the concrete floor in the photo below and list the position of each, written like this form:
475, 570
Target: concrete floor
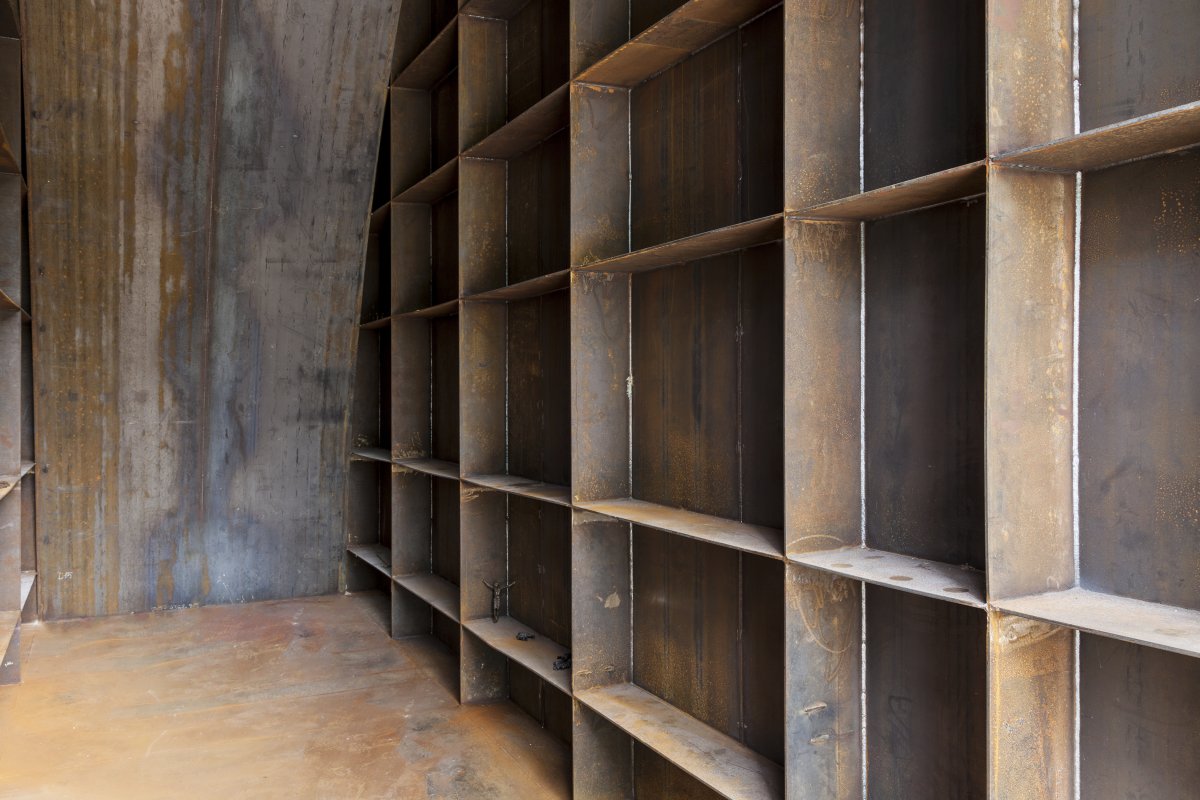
292, 699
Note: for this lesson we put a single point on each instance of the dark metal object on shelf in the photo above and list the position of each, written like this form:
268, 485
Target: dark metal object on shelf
497, 588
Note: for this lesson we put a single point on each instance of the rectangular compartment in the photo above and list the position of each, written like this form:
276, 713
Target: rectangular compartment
1136, 58
924, 95
707, 365
692, 149
708, 639
423, 22
926, 697
423, 114
526, 545
923, 372
515, 219
514, 58
1137, 713
517, 424
369, 521
920, 67
1139, 381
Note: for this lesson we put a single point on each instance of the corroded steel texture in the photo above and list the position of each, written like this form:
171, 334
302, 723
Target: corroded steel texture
197, 236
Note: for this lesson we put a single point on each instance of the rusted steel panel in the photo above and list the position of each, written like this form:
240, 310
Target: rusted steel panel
923, 365
539, 388
539, 560
599, 173
481, 59
600, 386
955, 183
482, 225
602, 762
1139, 381
537, 60
601, 607
1138, 734
482, 382
685, 626
1029, 72
1030, 300
1136, 58
923, 88
821, 119
122, 228
823, 685
926, 684
722, 109
189, 220
822, 291
1154, 134
1031, 691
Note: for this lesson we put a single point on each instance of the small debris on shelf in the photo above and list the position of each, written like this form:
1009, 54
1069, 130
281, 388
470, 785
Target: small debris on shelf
525, 637
563, 661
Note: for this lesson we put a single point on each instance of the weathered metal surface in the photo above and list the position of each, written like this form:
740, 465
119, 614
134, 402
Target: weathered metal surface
757, 539
523, 487
423, 21
193, 213
538, 396
290, 699
822, 50
923, 367
1125, 618
1030, 55
823, 685
680, 32
539, 210
707, 364
600, 386
722, 763
1031, 700
715, 242
722, 108
483, 226
434, 590
1135, 59
926, 685
601, 764
952, 184
951, 582
548, 115
821, 386
1139, 381
539, 560
482, 383
433, 61
536, 59
1129, 140
12, 129
536, 654
482, 59
1138, 732
599, 173
1028, 398
924, 97
433, 187
533, 287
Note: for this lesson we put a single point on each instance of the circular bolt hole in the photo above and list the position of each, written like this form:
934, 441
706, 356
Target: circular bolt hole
840, 566
954, 589
900, 578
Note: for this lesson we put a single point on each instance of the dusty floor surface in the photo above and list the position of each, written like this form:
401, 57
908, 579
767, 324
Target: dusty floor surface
291, 699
